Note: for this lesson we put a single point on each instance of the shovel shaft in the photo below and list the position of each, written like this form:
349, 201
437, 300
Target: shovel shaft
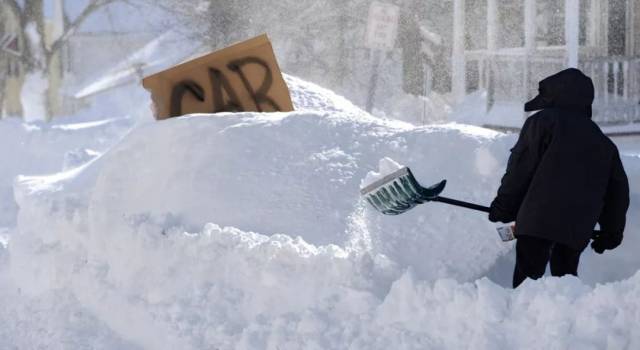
461, 203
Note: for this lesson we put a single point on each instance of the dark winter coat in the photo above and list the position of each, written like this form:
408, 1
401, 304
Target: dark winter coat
564, 175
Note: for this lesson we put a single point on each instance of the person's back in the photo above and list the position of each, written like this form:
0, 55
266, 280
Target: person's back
564, 176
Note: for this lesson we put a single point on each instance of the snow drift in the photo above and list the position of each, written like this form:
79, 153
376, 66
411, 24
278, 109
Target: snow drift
40, 148
247, 231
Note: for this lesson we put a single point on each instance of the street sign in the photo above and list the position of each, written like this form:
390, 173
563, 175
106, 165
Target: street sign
382, 26
10, 44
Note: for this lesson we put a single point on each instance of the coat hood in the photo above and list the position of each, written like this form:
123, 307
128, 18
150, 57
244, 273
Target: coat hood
569, 89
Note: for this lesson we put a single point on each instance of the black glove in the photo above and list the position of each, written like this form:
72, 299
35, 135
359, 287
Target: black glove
496, 214
493, 217
605, 241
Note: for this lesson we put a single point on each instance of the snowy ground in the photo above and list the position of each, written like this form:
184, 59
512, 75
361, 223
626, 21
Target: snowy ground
247, 231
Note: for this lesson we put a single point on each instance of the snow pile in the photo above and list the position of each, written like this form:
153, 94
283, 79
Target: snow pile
550, 313
39, 148
386, 166
248, 231
231, 289
307, 96
297, 174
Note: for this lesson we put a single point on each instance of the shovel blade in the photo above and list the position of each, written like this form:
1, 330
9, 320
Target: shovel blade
398, 192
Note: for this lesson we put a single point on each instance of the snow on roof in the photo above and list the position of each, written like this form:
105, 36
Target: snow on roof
166, 50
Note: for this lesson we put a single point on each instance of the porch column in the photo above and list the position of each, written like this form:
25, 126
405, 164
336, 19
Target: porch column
492, 25
628, 73
492, 46
529, 25
604, 26
529, 46
630, 34
571, 31
593, 23
458, 69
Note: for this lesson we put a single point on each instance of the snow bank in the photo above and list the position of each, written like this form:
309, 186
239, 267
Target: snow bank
386, 166
550, 313
39, 148
247, 231
226, 288
299, 174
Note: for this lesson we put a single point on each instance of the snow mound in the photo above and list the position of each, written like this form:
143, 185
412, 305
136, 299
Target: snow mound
298, 174
41, 148
307, 96
227, 288
386, 166
247, 231
549, 313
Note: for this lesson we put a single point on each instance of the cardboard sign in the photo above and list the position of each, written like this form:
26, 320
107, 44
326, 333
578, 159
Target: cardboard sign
241, 77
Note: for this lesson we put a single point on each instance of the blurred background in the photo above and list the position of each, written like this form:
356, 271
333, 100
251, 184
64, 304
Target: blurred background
421, 61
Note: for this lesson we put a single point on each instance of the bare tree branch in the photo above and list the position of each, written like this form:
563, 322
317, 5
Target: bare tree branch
34, 12
22, 16
92, 7
134, 4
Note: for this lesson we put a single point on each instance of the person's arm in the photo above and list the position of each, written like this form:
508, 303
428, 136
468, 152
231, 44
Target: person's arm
613, 216
523, 162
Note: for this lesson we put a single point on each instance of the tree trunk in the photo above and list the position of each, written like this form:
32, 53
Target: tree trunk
14, 110
49, 96
42, 56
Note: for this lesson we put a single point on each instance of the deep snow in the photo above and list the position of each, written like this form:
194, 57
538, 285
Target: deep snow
247, 231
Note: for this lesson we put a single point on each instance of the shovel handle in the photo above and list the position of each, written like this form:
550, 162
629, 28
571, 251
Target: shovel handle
461, 203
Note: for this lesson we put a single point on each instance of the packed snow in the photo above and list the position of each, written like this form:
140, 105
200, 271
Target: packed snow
247, 231
386, 166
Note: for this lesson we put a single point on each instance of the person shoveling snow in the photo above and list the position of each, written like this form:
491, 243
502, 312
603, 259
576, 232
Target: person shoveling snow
563, 176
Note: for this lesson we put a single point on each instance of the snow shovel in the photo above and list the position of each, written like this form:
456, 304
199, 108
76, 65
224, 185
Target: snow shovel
400, 191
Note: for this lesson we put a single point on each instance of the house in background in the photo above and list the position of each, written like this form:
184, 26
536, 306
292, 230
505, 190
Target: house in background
504, 64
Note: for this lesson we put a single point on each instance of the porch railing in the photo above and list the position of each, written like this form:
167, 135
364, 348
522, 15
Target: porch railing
513, 77
617, 88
